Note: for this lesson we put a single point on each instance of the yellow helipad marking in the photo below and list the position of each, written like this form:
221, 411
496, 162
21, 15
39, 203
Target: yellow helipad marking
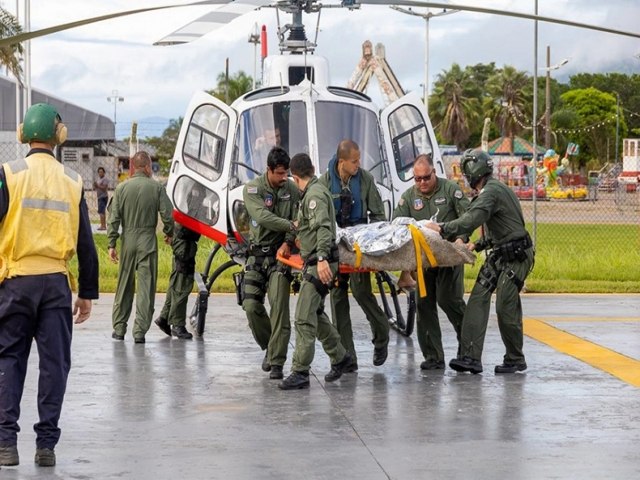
591, 319
620, 366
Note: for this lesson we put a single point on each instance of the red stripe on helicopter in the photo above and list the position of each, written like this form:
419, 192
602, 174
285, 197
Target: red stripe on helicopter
200, 227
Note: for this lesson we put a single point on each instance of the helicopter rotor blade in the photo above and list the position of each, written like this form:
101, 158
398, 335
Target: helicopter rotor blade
491, 11
22, 37
213, 20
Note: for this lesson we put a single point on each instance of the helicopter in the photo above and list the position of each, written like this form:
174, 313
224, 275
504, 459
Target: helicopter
221, 147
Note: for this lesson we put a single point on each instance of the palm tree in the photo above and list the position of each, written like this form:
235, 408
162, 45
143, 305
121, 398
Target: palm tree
511, 87
238, 85
453, 107
10, 55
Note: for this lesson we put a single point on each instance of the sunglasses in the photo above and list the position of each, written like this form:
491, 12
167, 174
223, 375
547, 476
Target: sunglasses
426, 178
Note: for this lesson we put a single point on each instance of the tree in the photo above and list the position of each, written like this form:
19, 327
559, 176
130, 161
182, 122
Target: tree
10, 55
510, 94
238, 85
594, 127
454, 109
626, 86
165, 145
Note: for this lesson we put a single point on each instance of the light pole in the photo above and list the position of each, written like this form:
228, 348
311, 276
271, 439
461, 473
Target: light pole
254, 37
547, 110
427, 15
115, 98
617, 124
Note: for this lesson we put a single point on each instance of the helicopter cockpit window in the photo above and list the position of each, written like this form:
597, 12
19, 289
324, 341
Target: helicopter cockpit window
339, 121
261, 128
196, 201
409, 138
205, 142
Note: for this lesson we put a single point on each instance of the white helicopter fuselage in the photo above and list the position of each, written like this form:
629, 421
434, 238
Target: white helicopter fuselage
220, 148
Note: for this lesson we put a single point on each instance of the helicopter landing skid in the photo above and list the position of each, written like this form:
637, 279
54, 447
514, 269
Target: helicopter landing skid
389, 294
205, 282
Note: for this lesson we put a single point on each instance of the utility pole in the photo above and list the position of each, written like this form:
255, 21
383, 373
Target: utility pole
427, 16
547, 112
115, 98
617, 125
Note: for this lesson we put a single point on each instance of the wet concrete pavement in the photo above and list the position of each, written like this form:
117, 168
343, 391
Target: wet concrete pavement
204, 409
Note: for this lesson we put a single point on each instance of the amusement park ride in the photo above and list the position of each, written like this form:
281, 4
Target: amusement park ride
298, 108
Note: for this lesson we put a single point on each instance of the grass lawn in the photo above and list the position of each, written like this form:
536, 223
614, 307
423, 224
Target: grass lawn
569, 259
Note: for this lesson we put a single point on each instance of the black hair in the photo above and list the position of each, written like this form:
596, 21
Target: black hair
278, 157
301, 166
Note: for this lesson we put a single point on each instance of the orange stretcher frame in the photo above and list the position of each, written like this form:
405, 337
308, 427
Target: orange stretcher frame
295, 262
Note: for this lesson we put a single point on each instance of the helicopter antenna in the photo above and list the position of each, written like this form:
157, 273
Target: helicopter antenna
315, 40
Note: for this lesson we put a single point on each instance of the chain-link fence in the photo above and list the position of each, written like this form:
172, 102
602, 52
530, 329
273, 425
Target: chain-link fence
82, 160
598, 209
594, 207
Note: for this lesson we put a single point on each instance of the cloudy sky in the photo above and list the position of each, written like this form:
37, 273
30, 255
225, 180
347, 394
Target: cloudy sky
86, 64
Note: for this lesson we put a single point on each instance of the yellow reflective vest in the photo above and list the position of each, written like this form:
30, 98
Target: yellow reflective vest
39, 233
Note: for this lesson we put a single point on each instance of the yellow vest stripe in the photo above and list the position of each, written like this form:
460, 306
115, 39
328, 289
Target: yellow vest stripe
45, 204
18, 166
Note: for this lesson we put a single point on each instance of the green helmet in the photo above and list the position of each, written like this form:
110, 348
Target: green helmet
476, 165
40, 124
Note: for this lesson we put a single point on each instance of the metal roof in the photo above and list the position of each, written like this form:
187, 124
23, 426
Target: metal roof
81, 124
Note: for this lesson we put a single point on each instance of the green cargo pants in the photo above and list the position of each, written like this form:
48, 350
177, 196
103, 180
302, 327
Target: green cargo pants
508, 308
271, 331
360, 284
445, 288
312, 322
180, 281
138, 255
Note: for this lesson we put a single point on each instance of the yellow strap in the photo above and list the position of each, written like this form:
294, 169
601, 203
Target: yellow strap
421, 245
356, 247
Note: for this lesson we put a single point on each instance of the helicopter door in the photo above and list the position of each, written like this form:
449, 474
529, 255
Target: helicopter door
408, 133
199, 174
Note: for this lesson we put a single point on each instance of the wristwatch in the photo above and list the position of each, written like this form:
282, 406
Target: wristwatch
321, 258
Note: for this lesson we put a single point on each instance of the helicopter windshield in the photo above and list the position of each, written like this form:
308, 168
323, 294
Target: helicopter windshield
339, 121
261, 128
409, 137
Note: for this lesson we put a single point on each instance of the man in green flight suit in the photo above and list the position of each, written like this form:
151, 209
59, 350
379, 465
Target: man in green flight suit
271, 201
356, 201
442, 199
316, 237
134, 207
173, 317
507, 265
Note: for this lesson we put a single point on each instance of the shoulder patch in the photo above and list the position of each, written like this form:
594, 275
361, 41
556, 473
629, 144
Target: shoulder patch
458, 194
252, 189
312, 204
401, 202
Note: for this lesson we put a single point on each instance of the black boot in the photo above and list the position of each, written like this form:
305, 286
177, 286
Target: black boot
338, 369
432, 365
276, 372
266, 366
181, 332
466, 364
380, 355
163, 325
295, 381
511, 367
